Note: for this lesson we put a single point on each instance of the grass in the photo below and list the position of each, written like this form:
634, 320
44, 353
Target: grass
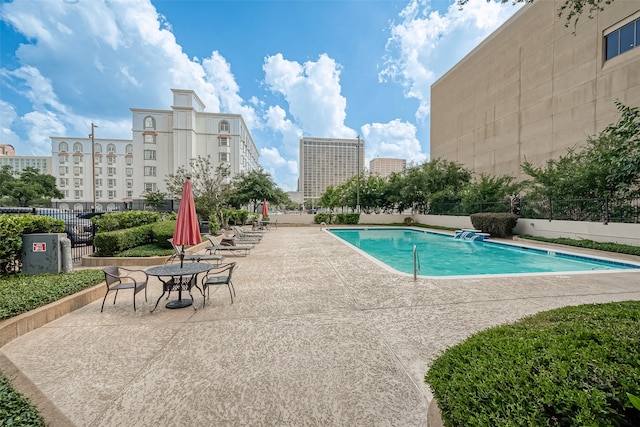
145, 251
588, 244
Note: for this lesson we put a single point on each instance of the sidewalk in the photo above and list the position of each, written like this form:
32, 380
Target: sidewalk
318, 336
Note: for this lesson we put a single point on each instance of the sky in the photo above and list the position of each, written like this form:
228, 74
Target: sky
292, 68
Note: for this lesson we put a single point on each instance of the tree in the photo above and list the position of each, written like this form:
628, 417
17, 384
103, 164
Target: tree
488, 193
254, 187
210, 186
33, 188
572, 9
155, 199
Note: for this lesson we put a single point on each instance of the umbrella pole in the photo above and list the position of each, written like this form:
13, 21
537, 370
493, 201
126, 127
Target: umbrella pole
182, 256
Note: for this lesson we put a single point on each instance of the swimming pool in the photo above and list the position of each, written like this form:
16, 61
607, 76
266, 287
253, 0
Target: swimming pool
440, 254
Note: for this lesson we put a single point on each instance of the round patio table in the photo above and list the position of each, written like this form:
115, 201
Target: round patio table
178, 277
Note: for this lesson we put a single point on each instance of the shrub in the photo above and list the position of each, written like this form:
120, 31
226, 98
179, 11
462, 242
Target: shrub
16, 409
326, 217
108, 243
590, 244
161, 232
496, 224
565, 367
122, 220
347, 218
408, 220
214, 225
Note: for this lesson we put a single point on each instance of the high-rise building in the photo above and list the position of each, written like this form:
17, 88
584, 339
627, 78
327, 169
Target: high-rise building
7, 150
327, 161
162, 142
383, 167
535, 87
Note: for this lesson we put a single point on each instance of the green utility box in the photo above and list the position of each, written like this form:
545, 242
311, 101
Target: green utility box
41, 253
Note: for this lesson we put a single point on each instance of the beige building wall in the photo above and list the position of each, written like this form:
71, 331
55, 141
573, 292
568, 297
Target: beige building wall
383, 167
533, 89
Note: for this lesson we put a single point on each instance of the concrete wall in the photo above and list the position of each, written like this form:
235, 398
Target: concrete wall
533, 89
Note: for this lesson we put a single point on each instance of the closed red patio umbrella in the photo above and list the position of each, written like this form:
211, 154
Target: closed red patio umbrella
187, 232
264, 208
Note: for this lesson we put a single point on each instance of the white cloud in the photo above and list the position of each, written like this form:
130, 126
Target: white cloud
395, 139
8, 119
284, 172
313, 93
426, 43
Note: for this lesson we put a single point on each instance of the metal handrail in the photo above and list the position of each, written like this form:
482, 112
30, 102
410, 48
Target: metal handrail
416, 263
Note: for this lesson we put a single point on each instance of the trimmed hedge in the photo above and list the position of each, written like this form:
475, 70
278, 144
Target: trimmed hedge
326, 217
496, 224
122, 220
112, 242
589, 244
567, 367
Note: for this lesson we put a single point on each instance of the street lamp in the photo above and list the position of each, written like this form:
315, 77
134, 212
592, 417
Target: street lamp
358, 175
93, 163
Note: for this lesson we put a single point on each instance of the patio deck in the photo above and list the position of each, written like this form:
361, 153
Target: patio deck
318, 336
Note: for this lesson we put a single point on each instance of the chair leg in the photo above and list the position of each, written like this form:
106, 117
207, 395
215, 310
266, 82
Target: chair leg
103, 300
114, 297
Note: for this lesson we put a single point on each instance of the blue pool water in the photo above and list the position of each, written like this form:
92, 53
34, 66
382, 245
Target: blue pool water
442, 255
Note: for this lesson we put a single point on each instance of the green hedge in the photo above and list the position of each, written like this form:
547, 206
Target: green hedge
567, 367
12, 227
111, 242
496, 224
347, 218
122, 220
326, 217
589, 244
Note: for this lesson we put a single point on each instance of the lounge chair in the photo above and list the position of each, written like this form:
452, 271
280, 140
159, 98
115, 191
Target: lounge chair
241, 234
211, 258
217, 247
248, 233
236, 238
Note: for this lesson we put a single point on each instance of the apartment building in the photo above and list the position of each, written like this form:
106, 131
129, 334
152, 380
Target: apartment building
327, 161
17, 163
383, 167
533, 88
162, 141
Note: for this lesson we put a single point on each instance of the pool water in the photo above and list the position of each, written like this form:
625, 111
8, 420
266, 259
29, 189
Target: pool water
442, 255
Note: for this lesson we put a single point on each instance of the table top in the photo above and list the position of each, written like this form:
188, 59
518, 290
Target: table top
176, 270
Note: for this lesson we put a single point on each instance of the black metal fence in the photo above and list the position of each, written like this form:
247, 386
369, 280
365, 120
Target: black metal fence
595, 210
78, 227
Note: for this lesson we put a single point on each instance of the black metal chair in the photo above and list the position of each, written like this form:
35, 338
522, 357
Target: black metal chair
117, 278
219, 276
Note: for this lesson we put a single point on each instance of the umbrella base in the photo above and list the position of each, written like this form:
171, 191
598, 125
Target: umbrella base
179, 303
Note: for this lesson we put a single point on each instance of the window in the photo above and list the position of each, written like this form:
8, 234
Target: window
77, 147
224, 157
64, 182
111, 183
224, 126
149, 139
111, 194
150, 186
98, 194
129, 171
77, 160
111, 160
63, 147
129, 161
98, 148
129, 193
78, 194
622, 39
98, 160
149, 171
65, 194
149, 122
149, 154
129, 183
128, 149
111, 149
111, 171
98, 171
77, 170
62, 160
224, 141
77, 182
99, 182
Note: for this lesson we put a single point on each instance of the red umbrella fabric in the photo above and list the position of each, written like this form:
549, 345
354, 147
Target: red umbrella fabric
187, 230
264, 208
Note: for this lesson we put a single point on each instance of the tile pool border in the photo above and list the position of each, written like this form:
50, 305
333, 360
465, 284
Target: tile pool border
635, 266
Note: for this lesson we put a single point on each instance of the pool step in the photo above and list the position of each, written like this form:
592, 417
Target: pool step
471, 235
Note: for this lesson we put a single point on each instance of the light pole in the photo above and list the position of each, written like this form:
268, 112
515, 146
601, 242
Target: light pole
93, 163
358, 175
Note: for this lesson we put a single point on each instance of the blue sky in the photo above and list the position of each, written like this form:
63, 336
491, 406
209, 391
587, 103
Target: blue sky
291, 68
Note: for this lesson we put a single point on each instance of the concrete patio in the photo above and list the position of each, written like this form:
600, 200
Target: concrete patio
318, 336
